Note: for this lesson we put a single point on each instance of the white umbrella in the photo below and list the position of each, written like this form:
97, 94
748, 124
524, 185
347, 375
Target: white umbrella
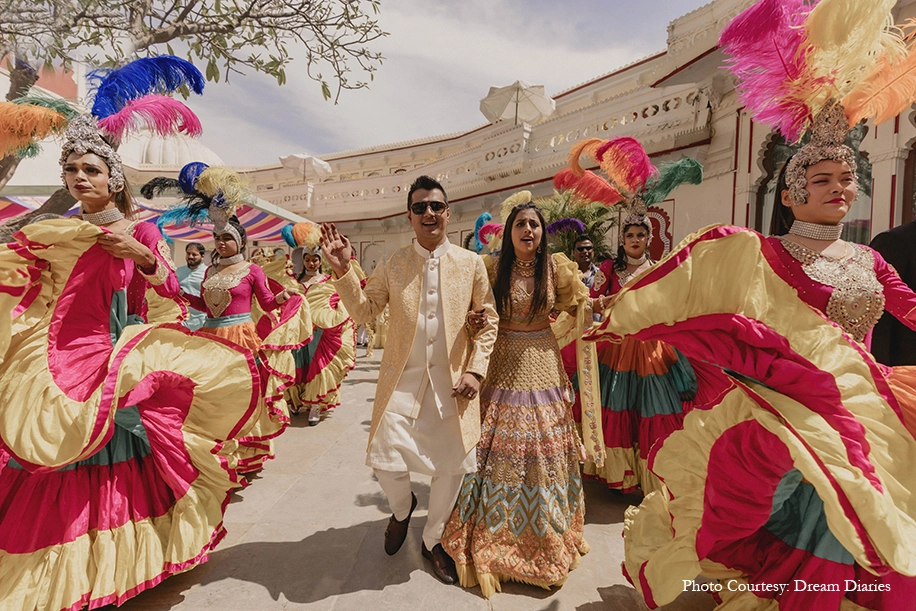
518, 101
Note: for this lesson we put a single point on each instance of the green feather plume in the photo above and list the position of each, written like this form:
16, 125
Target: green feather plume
672, 175
30, 150
56, 104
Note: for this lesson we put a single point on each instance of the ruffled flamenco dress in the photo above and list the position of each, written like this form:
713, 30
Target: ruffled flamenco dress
793, 484
323, 363
644, 387
242, 309
520, 517
117, 440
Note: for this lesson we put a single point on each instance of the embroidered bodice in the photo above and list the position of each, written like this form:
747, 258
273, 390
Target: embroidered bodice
520, 300
609, 281
852, 291
225, 294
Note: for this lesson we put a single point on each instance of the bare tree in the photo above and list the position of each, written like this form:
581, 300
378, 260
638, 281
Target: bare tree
227, 35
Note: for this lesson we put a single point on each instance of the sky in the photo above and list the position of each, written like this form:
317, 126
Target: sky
441, 57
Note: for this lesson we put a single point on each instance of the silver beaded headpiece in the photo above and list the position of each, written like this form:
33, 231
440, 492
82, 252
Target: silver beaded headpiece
636, 215
82, 136
827, 142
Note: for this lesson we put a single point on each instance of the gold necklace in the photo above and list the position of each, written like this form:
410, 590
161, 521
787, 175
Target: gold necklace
524, 269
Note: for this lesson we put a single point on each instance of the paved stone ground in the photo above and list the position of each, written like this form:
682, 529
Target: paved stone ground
308, 534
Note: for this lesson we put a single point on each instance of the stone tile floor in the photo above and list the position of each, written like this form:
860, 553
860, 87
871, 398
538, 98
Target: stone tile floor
307, 534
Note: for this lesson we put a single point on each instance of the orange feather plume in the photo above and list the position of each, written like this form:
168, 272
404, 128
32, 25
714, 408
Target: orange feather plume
888, 90
585, 146
20, 124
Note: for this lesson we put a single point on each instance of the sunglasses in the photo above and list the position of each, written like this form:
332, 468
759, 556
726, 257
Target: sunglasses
584, 248
420, 207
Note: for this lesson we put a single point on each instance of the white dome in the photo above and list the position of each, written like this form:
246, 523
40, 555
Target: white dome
145, 151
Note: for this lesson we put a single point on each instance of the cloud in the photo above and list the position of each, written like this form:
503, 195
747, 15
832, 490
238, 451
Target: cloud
441, 58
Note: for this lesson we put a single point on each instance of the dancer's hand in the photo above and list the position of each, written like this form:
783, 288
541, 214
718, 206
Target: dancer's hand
123, 246
468, 386
336, 248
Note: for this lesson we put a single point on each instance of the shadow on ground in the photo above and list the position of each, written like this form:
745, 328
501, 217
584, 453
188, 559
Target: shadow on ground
624, 598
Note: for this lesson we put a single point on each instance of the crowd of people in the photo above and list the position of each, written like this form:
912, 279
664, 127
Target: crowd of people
731, 383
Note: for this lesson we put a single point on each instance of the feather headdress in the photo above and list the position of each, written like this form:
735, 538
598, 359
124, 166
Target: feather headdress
306, 235
632, 178
482, 220
505, 209
822, 67
211, 194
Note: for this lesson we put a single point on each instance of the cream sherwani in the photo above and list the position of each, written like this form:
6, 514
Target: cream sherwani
417, 426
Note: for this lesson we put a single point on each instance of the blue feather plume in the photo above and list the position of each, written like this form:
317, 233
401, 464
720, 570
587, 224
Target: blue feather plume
164, 74
287, 233
482, 220
189, 174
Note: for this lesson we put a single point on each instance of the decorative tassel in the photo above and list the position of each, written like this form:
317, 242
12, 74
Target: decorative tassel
482, 220
161, 114
567, 224
670, 176
887, 92
626, 163
589, 187
21, 124
159, 186
522, 197
164, 74
222, 181
585, 146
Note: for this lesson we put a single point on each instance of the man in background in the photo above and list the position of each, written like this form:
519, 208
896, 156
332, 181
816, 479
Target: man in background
893, 343
190, 277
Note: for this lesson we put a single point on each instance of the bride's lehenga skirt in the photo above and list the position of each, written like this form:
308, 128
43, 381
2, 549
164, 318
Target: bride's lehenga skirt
520, 517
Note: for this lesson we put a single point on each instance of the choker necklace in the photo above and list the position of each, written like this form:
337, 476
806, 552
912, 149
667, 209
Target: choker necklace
104, 217
232, 260
525, 269
639, 261
814, 231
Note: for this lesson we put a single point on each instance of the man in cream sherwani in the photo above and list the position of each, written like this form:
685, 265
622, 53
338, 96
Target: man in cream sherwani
426, 416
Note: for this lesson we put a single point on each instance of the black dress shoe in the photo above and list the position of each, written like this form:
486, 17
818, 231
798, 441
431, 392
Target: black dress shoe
397, 530
443, 565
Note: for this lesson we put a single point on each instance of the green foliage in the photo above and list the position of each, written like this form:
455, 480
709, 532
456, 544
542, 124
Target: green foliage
226, 36
598, 219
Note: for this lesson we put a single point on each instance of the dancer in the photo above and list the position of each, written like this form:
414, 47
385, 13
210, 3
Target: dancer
794, 488
520, 516
116, 439
642, 384
426, 417
190, 277
324, 363
230, 290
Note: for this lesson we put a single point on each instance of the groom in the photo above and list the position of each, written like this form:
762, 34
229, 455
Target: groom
426, 416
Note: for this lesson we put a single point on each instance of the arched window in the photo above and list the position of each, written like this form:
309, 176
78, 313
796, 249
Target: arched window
857, 224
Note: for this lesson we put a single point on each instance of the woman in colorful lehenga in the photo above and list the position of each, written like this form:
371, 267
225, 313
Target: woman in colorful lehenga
322, 365
230, 291
117, 440
521, 516
795, 487
643, 384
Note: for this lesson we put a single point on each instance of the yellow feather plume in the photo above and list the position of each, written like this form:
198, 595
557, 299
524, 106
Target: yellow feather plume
887, 92
847, 38
585, 146
218, 179
522, 197
20, 124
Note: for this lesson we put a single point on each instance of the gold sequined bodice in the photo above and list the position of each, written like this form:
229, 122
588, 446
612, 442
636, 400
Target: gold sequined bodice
520, 300
857, 300
217, 287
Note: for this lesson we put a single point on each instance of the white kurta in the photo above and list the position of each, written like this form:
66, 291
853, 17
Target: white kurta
419, 430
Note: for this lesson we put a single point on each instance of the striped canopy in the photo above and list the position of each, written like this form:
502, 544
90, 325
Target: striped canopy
261, 226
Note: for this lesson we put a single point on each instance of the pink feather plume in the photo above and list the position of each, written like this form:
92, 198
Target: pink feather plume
490, 229
163, 116
625, 161
590, 187
768, 53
